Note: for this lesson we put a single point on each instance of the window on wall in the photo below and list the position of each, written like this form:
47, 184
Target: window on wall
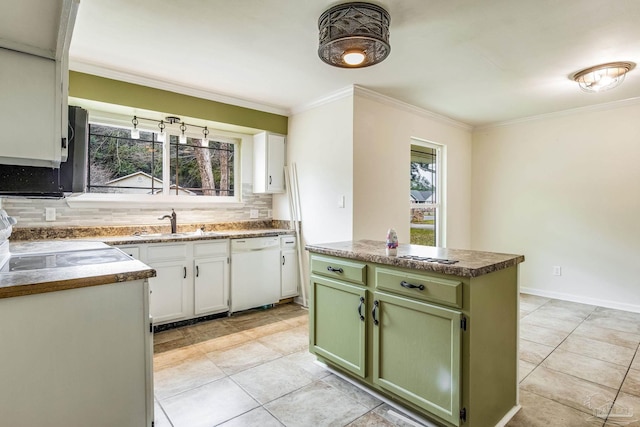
426, 195
119, 164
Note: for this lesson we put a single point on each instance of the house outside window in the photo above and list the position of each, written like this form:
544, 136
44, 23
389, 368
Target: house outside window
122, 165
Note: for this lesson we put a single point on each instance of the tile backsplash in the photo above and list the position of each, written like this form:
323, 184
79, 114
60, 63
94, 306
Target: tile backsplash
31, 212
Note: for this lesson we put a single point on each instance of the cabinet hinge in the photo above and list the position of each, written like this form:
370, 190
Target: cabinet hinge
228, 261
463, 323
463, 414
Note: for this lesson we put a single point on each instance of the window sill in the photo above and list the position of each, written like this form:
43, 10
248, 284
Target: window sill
87, 200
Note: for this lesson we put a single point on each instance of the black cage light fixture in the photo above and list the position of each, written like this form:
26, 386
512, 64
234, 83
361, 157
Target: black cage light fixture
354, 35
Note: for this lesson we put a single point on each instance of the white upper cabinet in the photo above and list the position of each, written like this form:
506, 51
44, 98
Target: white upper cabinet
268, 163
34, 45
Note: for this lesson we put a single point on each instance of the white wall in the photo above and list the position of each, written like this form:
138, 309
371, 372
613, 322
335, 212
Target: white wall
320, 143
565, 192
382, 142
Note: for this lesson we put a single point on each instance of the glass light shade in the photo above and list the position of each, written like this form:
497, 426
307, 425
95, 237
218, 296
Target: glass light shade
204, 142
135, 133
162, 136
603, 77
182, 139
353, 57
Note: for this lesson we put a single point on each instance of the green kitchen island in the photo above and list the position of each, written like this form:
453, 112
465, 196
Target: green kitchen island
433, 330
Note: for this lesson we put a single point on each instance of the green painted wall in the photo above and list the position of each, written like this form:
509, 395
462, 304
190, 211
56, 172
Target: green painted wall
87, 86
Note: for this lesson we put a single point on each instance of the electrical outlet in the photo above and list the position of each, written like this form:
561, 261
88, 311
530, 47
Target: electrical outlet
557, 270
50, 214
254, 213
269, 213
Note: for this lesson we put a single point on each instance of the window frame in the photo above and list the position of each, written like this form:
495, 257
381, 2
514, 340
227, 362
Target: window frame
166, 199
440, 205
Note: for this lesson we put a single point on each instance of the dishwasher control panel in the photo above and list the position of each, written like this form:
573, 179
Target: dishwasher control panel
254, 243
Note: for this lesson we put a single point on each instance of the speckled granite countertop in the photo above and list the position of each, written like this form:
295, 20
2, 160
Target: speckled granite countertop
187, 237
470, 263
18, 283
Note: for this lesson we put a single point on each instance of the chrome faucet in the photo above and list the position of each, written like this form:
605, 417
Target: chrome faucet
172, 218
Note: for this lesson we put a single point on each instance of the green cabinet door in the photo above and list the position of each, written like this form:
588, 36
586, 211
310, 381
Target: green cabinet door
337, 323
416, 353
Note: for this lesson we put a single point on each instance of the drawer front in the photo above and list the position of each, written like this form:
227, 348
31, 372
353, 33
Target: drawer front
211, 249
420, 286
351, 271
288, 242
163, 252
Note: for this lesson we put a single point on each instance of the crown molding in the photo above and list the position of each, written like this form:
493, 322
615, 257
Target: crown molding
373, 95
564, 113
101, 71
327, 99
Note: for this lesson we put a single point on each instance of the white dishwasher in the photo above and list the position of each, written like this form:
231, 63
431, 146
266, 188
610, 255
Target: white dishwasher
255, 272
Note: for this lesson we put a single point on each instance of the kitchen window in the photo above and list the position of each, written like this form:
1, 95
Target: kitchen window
426, 194
122, 165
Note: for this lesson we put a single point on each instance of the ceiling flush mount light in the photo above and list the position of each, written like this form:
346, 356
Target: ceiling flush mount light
603, 77
354, 35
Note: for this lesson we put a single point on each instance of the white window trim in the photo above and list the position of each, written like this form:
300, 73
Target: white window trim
100, 200
441, 189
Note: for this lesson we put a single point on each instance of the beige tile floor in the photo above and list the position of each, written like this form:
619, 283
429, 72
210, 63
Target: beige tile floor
578, 367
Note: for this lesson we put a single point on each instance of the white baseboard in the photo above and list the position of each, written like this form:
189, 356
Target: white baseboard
503, 422
584, 300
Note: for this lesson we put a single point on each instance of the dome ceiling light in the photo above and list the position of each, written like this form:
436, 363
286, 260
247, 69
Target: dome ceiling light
603, 77
354, 35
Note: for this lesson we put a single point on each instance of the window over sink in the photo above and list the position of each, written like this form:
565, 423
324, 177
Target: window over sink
146, 165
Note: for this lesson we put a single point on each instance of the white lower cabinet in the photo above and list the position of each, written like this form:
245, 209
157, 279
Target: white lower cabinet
289, 267
211, 277
169, 292
192, 278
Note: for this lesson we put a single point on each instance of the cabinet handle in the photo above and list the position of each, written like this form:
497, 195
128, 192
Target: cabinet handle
360, 308
282, 259
197, 271
335, 270
269, 179
373, 312
185, 273
410, 286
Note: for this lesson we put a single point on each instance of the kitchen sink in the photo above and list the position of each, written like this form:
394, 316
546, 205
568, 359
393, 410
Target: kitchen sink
161, 235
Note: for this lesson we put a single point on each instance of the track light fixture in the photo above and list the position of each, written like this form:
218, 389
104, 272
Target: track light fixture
161, 136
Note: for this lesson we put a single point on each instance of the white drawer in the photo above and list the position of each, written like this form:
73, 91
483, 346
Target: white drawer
220, 248
164, 252
288, 242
